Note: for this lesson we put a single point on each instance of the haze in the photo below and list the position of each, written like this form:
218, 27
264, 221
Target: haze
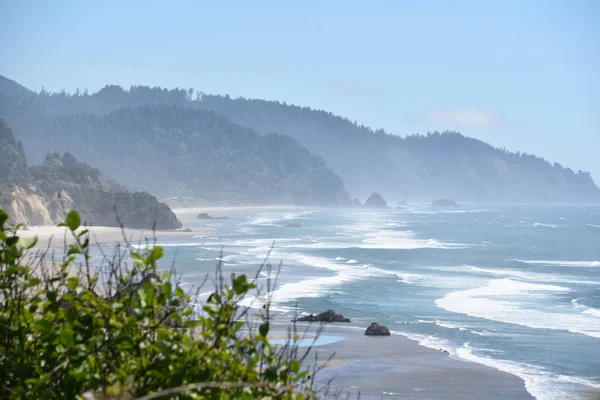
520, 75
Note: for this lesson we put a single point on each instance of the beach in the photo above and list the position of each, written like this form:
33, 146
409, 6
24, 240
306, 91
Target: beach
395, 367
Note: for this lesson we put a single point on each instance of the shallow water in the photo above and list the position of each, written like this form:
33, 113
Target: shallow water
512, 287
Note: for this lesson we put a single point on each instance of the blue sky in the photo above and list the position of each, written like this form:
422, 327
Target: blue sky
519, 74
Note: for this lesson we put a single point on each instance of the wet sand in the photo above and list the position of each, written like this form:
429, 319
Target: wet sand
395, 367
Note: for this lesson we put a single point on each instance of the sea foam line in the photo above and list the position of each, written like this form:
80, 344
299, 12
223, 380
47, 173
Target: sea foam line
559, 263
489, 302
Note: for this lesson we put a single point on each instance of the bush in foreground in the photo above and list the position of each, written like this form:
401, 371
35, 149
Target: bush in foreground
128, 330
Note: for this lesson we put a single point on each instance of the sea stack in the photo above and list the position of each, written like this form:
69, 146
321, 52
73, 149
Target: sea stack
376, 201
444, 203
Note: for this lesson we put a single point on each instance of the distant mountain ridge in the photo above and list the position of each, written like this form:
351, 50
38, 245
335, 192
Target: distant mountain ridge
172, 149
417, 167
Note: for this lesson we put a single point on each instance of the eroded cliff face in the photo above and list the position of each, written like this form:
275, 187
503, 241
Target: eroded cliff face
28, 208
31, 207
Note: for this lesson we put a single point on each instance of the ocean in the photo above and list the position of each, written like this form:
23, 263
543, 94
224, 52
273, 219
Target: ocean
513, 287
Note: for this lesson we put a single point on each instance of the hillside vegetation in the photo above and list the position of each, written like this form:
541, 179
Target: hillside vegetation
178, 150
417, 167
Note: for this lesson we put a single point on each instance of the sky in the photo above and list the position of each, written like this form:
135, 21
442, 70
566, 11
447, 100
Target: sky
524, 74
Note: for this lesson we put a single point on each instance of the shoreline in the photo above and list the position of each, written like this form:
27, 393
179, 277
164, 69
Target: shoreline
399, 367
375, 364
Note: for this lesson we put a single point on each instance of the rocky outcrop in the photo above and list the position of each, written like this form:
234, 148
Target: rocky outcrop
376, 201
356, 203
139, 210
326, 316
444, 203
377, 330
204, 216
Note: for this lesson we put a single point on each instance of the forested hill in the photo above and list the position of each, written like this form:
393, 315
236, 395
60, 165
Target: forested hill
412, 168
43, 194
175, 150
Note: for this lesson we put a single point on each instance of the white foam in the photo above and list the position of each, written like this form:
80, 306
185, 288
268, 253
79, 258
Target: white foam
525, 275
578, 305
542, 384
490, 302
559, 263
339, 259
183, 244
352, 262
264, 220
317, 286
541, 225
593, 226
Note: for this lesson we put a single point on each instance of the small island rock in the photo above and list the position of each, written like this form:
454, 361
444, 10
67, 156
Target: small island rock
444, 203
204, 216
377, 330
326, 316
376, 201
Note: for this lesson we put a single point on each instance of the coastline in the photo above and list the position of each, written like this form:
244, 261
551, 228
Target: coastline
392, 367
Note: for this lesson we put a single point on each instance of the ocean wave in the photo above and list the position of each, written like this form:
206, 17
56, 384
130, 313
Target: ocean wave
540, 383
264, 220
317, 286
175, 244
578, 305
352, 262
593, 226
541, 225
559, 263
527, 275
444, 324
490, 302
339, 259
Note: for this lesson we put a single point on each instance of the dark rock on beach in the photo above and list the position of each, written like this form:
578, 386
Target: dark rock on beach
377, 330
327, 316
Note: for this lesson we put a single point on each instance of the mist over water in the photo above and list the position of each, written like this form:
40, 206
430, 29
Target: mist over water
516, 288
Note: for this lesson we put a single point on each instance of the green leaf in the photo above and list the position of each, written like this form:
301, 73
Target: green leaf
73, 250
240, 284
43, 325
157, 253
3, 217
73, 220
27, 242
11, 241
72, 283
264, 328
167, 288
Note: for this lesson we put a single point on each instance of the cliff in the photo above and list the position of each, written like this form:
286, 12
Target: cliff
42, 195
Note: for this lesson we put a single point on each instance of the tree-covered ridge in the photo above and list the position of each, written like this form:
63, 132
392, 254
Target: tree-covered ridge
415, 167
172, 149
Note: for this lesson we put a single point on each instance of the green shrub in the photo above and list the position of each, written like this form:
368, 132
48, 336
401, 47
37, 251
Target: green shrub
129, 330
